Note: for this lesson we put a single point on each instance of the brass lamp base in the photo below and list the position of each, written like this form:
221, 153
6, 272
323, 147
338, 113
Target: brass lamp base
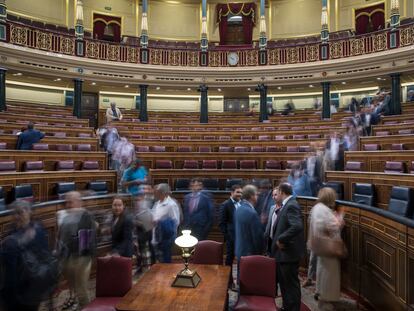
186, 278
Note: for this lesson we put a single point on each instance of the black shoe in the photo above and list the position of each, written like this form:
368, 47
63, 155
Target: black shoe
316, 296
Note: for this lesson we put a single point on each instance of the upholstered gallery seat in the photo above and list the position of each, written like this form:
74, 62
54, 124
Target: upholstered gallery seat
40, 146
229, 164
7, 166
209, 164
23, 192
233, 181
142, 148
337, 186
2, 200
225, 149
353, 166
402, 201
67, 165
64, 147
364, 194
248, 164
63, 187
292, 149
208, 252
90, 165
371, 147
394, 167
158, 148
3, 146
99, 187
184, 149
190, 164
273, 165
163, 164
33, 166
84, 147
182, 184
397, 147
211, 184
204, 149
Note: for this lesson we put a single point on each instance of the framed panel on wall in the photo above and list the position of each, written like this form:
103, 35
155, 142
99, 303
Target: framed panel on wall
107, 27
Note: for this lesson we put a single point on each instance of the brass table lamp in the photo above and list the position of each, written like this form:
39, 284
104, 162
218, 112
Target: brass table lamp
186, 277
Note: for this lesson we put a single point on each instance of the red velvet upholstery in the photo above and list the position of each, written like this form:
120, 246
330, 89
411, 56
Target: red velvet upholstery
84, 135
394, 167
90, 165
272, 149
304, 148
248, 164
60, 134
208, 253
382, 133
33, 166
184, 137
142, 148
405, 132
7, 166
397, 147
113, 281
224, 138
225, 149
264, 137
184, 149
229, 164
246, 137
299, 136
83, 147
68, 165
210, 164
169, 137
290, 163
241, 149
204, 149
279, 137
412, 168
314, 136
190, 164
257, 284
64, 147
353, 166
40, 147
370, 147
3, 146
158, 148
292, 149
273, 165
256, 149
163, 164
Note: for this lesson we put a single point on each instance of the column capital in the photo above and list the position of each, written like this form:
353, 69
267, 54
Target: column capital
395, 74
3, 70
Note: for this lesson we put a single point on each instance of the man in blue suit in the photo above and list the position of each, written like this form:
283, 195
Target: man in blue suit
249, 229
198, 211
29, 137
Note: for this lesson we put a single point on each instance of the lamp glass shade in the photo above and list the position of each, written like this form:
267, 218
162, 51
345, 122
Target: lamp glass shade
186, 240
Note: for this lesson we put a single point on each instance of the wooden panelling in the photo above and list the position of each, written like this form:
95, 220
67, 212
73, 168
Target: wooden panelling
44, 183
69, 130
383, 183
50, 158
68, 121
11, 141
393, 129
374, 161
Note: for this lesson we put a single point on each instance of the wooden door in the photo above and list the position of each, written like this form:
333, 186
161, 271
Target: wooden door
90, 108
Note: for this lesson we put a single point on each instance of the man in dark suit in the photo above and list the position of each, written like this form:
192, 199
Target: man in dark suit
198, 210
29, 137
226, 222
285, 243
249, 229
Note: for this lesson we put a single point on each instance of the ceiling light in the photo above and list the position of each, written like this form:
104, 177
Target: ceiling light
58, 79
17, 74
126, 86
311, 85
379, 79
279, 87
343, 82
188, 89
157, 88
249, 89
93, 83
219, 90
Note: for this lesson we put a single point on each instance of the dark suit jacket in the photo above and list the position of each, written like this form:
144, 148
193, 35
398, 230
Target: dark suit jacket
288, 231
28, 138
249, 231
226, 220
122, 242
201, 219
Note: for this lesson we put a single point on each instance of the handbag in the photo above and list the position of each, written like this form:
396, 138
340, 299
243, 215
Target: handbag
327, 247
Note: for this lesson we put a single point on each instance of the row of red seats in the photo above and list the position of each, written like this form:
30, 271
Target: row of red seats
58, 147
54, 134
225, 164
400, 132
37, 166
390, 167
226, 149
376, 147
227, 138
43, 123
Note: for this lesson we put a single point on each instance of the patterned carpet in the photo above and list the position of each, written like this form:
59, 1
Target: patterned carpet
345, 304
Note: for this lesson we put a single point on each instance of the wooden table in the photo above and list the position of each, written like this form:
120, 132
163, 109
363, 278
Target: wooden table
154, 292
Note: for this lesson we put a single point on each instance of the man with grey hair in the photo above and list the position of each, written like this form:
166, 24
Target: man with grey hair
166, 218
249, 229
113, 113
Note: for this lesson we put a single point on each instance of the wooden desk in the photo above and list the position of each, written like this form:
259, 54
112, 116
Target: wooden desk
374, 161
69, 121
154, 291
385, 142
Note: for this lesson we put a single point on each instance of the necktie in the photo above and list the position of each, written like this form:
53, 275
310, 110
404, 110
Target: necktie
192, 204
274, 219
114, 113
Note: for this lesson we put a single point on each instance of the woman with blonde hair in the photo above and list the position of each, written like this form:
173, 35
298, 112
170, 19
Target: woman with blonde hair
326, 222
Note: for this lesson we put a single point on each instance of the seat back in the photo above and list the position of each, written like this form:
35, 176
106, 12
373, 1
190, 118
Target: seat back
248, 164
113, 276
233, 181
211, 183
224, 149
241, 149
60, 134
204, 149
353, 166
364, 194
371, 147
142, 148
298, 136
182, 184
23, 192
304, 148
67, 165
83, 147
272, 149
99, 187
273, 165
33, 166
163, 164
40, 146
382, 133
64, 187
190, 164
3, 146
257, 276
402, 201
90, 165
2, 200
292, 149
412, 168
394, 167
158, 148
84, 135
208, 252
210, 164
64, 147
397, 147
184, 149
229, 164
7, 166
405, 132
337, 186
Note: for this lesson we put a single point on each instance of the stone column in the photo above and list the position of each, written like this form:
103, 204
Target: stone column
203, 89
324, 22
143, 113
326, 100
262, 36
144, 25
395, 105
3, 106
79, 29
395, 14
204, 39
262, 88
77, 100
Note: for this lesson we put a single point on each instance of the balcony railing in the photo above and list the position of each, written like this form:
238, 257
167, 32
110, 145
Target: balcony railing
64, 43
